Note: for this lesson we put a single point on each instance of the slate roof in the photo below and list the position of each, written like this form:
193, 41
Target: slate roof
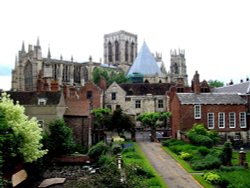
146, 88
210, 98
31, 98
241, 88
145, 63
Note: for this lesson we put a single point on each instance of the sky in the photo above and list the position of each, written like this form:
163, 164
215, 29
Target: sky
215, 34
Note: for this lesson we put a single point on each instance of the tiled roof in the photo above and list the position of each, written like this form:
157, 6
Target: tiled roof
146, 88
210, 98
145, 63
31, 98
241, 88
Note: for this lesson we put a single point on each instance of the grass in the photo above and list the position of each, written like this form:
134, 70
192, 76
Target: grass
137, 157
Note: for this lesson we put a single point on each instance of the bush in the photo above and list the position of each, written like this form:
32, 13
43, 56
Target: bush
200, 140
185, 156
203, 150
207, 163
227, 153
212, 178
172, 142
97, 150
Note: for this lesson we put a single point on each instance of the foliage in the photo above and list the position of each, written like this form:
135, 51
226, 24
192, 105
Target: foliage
172, 142
185, 156
200, 136
22, 136
206, 163
203, 150
110, 76
97, 150
102, 117
215, 83
121, 122
212, 177
151, 119
60, 138
227, 153
116, 148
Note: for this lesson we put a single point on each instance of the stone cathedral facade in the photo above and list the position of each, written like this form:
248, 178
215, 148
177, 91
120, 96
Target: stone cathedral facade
33, 72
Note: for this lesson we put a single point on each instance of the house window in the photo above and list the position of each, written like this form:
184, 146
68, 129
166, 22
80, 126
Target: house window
232, 120
113, 96
127, 99
221, 120
41, 101
89, 94
242, 120
197, 111
160, 103
109, 106
210, 120
137, 104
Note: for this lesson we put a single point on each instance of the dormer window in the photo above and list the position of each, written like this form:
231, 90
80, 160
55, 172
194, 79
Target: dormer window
42, 101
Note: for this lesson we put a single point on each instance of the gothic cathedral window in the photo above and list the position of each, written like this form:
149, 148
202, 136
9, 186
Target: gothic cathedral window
116, 51
28, 77
132, 51
110, 52
126, 51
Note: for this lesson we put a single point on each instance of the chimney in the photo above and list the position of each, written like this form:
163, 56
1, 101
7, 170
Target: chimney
196, 83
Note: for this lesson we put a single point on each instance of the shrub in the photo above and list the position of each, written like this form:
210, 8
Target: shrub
212, 178
185, 156
200, 140
226, 155
172, 142
97, 150
203, 150
206, 163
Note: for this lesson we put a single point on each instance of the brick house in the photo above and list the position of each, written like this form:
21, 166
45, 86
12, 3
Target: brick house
225, 113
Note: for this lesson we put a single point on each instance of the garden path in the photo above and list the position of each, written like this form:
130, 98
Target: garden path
170, 170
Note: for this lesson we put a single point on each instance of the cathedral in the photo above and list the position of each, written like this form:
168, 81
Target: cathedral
33, 72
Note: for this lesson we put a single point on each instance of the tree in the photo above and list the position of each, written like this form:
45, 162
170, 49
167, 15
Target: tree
102, 117
21, 137
215, 83
60, 138
121, 122
151, 119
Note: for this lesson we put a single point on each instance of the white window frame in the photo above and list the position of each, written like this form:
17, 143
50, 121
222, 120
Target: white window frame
221, 120
210, 120
231, 119
242, 120
197, 111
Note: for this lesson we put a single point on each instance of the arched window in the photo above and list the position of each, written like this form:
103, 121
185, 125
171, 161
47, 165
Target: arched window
110, 54
126, 51
77, 74
116, 51
85, 74
132, 51
65, 73
28, 77
55, 71
176, 69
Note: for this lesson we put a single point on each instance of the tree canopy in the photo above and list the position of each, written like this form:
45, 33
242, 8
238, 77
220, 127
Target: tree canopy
215, 83
20, 136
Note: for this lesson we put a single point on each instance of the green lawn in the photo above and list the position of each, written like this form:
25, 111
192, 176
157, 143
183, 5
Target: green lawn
135, 157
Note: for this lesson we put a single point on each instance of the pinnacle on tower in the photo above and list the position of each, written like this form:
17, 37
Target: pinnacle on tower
23, 47
49, 55
38, 42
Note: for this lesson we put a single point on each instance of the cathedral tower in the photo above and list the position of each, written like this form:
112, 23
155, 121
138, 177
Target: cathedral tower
178, 68
120, 49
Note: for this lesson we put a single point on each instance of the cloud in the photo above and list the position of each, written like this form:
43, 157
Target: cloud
5, 70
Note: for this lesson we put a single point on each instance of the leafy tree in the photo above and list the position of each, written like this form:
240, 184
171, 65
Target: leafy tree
121, 122
102, 117
215, 83
151, 119
110, 76
97, 150
60, 138
20, 136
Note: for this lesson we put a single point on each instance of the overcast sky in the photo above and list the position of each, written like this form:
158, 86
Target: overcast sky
215, 34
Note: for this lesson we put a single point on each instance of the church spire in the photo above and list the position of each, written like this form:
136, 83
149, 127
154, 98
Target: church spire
49, 55
38, 42
23, 48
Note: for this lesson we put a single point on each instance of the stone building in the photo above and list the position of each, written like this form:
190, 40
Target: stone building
120, 49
